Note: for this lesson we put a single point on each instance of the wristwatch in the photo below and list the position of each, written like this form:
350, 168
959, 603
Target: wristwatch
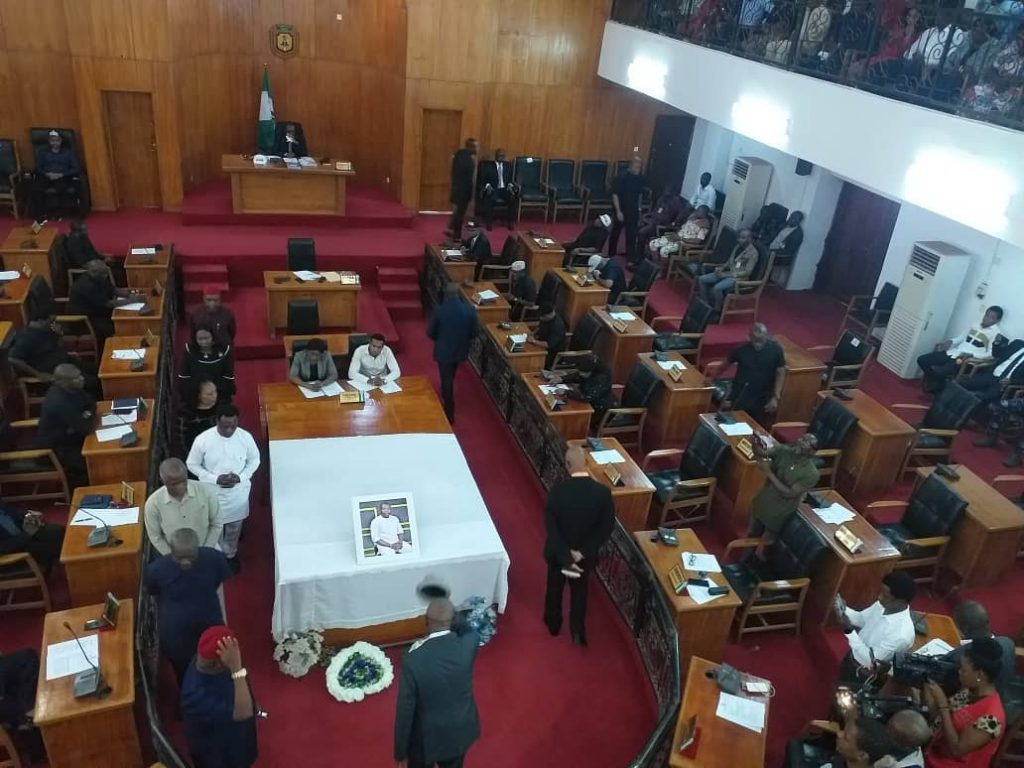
243, 672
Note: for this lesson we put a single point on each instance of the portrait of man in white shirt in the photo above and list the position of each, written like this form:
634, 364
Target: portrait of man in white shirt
386, 532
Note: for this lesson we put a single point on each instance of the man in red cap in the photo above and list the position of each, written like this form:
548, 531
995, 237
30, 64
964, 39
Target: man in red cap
214, 315
217, 705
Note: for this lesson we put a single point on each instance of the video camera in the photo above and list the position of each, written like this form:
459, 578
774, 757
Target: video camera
915, 671
872, 705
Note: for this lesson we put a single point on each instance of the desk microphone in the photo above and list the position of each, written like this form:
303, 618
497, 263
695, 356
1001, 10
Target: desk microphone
99, 536
128, 439
139, 363
89, 682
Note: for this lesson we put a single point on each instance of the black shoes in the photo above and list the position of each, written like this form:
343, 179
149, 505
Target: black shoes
579, 638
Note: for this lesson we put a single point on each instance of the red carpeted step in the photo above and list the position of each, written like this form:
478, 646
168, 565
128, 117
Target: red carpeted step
405, 309
398, 292
387, 275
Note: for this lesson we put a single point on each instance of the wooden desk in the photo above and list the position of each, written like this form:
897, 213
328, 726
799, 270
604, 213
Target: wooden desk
539, 258
12, 300
575, 300
92, 572
722, 743
632, 498
276, 189
673, 413
21, 248
458, 271
143, 272
703, 629
337, 303
801, 384
738, 478
116, 376
874, 450
532, 357
129, 323
337, 344
108, 462
857, 577
290, 416
984, 543
618, 349
572, 420
493, 311
89, 731
940, 627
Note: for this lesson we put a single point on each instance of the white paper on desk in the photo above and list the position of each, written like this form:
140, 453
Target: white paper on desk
10, 274
128, 354
113, 433
112, 517
700, 595
143, 251
668, 365
518, 338
310, 394
332, 277
935, 647
746, 712
63, 659
331, 390
362, 386
452, 253
737, 429
390, 387
135, 306
835, 514
305, 274
700, 561
487, 295
114, 419
544, 242
607, 457
552, 389
626, 317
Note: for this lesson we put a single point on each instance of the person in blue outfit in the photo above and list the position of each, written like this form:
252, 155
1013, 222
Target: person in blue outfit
452, 327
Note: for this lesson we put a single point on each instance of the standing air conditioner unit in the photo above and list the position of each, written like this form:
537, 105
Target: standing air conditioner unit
745, 192
924, 304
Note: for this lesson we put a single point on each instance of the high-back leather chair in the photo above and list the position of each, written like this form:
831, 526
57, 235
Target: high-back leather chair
868, 313
626, 422
526, 172
561, 188
301, 254
585, 334
10, 174
745, 297
594, 186
78, 198
683, 496
848, 361
548, 291
688, 339
831, 424
938, 429
303, 317
639, 288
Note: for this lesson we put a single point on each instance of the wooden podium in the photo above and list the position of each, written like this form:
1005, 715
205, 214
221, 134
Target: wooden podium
277, 189
90, 731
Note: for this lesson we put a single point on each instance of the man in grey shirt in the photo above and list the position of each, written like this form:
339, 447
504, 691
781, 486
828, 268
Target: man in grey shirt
313, 367
182, 503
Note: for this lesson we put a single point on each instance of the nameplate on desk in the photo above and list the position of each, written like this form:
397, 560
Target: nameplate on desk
343, 166
677, 579
26, 270
620, 326
848, 539
515, 342
351, 396
613, 475
675, 373
158, 288
148, 340
746, 448
349, 278
553, 402
127, 493
582, 280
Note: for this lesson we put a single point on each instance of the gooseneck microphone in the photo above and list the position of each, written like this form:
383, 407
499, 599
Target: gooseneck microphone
88, 682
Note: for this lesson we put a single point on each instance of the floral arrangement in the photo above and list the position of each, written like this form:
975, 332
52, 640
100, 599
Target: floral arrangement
359, 671
481, 616
298, 652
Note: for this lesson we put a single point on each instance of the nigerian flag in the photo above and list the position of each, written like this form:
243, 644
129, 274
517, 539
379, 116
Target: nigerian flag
267, 125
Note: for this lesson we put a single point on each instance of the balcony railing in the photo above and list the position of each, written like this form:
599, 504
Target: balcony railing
963, 61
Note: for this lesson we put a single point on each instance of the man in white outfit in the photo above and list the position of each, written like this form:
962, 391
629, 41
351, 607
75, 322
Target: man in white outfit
386, 532
227, 456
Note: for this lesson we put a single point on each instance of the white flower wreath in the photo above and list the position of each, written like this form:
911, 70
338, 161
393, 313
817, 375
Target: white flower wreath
359, 671
298, 652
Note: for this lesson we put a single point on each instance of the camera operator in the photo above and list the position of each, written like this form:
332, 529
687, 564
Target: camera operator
880, 631
907, 730
970, 722
971, 621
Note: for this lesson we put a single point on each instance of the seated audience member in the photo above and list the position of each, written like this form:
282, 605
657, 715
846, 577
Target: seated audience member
975, 344
705, 194
19, 673
182, 503
591, 383
590, 240
987, 385
214, 314
968, 724
217, 705
476, 247
38, 349
790, 472
1001, 414
198, 411
790, 237
26, 531
204, 358
880, 631
665, 212
522, 290
714, 285
972, 623
692, 234
374, 363
861, 742
67, 417
386, 532
80, 250
185, 583
1002, 80
899, 34
907, 731
494, 178
550, 333
313, 367
94, 295
760, 370
56, 167
607, 272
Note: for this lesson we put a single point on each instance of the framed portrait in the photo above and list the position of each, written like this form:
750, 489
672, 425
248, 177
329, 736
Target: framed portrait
385, 527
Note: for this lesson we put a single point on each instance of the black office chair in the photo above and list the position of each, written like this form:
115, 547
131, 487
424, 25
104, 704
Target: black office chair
526, 173
585, 334
848, 361
689, 338
773, 589
301, 254
76, 197
639, 288
938, 429
300, 344
594, 186
498, 269
831, 424
303, 317
923, 531
548, 291
626, 422
869, 313
683, 496
769, 222
10, 174
561, 188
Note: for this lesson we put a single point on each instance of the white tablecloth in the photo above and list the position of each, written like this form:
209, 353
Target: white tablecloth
318, 582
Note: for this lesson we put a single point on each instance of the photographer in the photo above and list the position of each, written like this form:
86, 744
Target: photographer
879, 632
970, 722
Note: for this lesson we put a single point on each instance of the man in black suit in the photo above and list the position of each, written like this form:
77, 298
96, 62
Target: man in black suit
436, 720
627, 190
453, 326
988, 384
495, 182
463, 171
294, 148
579, 517
477, 247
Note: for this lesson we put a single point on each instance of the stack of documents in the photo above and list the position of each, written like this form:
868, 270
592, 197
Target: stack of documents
626, 317
668, 365
700, 561
487, 295
128, 354
135, 306
737, 429
305, 275
144, 251
740, 710
113, 433
835, 514
552, 389
607, 457
328, 390
112, 517
936, 647
63, 659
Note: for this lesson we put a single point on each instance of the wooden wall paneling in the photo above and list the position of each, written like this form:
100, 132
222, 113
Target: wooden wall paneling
452, 40
41, 93
38, 25
168, 135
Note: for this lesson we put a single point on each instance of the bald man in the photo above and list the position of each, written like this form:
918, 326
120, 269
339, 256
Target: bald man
760, 370
67, 417
436, 720
182, 503
909, 732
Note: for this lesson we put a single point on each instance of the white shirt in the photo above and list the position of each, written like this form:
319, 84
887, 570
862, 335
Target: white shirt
932, 42
1006, 368
704, 196
213, 455
977, 342
365, 366
386, 529
914, 760
501, 175
878, 633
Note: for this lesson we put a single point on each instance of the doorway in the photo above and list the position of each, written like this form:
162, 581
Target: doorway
856, 243
442, 130
670, 149
131, 142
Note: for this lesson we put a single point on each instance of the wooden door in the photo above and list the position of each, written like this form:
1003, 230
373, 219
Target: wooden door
441, 135
856, 243
670, 149
131, 141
